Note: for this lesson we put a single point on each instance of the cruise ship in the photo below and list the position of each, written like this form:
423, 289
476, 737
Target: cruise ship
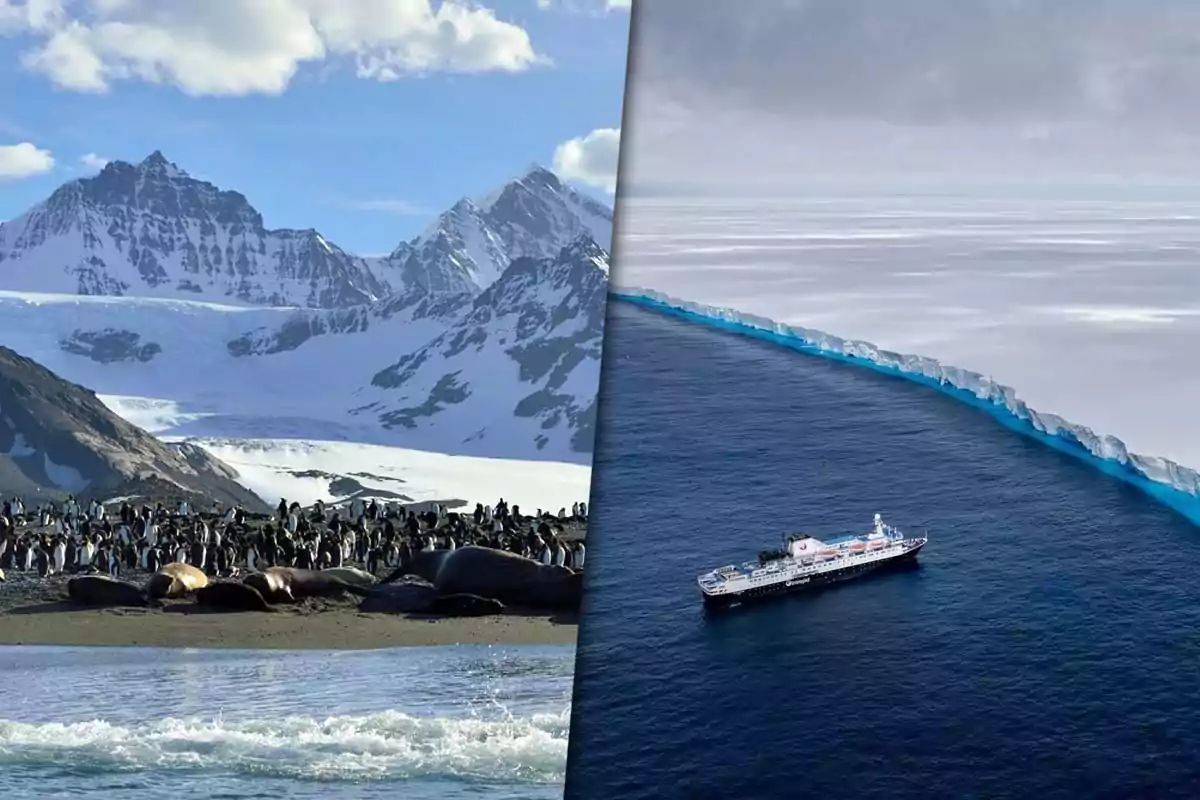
807, 562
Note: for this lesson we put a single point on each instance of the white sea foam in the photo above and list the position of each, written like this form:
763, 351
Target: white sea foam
383, 746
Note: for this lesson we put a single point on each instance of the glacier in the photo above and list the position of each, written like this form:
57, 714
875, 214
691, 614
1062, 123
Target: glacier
303, 442
1170, 483
186, 368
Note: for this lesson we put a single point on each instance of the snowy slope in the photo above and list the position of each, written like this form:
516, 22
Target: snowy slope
410, 314
185, 368
307, 471
520, 372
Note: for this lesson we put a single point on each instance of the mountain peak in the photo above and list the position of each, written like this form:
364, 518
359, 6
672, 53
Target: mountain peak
157, 164
538, 176
534, 177
468, 247
536, 170
151, 229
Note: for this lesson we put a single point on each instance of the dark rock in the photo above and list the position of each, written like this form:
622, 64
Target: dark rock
110, 345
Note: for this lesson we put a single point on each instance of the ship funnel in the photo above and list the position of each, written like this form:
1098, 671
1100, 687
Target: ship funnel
879, 523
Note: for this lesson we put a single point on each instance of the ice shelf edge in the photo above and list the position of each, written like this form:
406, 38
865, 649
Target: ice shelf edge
1171, 483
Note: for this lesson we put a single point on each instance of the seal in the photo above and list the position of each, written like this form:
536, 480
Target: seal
465, 605
270, 586
231, 596
295, 583
101, 590
411, 595
175, 580
358, 577
559, 589
497, 574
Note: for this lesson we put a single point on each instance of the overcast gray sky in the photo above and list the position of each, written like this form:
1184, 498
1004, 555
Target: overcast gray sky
770, 92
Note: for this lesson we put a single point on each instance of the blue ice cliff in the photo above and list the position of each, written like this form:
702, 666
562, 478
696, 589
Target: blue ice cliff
1173, 484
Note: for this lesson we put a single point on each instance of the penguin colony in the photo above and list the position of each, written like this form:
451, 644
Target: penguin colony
96, 539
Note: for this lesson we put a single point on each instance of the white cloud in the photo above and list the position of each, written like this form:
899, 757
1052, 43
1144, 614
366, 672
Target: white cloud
23, 160
37, 15
401, 208
384, 205
238, 47
585, 6
590, 159
93, 161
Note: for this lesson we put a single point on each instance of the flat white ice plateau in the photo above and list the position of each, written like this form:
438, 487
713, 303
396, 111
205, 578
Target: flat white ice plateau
1089, 307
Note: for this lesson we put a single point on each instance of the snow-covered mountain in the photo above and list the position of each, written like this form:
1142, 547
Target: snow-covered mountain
469, 246
481, 337
520, 368
152, 230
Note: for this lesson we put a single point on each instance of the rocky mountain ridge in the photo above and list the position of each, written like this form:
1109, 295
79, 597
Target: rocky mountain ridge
153, 230
58, 438
543, 316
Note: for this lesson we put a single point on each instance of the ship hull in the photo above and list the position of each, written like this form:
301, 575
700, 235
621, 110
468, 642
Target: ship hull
809, 582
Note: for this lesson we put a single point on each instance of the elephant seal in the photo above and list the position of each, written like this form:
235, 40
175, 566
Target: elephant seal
101, 590
175, 580
561, 591
270, 586
296, 583
352, 575
231, 597
512, 579
410, 596
465, 605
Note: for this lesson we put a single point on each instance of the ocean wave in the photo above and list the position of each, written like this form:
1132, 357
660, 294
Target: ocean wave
385, 746
1171, 483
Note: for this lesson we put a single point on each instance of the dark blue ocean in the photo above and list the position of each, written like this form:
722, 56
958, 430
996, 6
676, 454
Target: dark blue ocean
1047, 645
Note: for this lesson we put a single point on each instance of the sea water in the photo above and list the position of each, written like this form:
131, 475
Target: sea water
419, 722
1047, 644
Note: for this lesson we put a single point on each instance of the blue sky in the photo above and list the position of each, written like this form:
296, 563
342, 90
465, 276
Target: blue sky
366, 161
